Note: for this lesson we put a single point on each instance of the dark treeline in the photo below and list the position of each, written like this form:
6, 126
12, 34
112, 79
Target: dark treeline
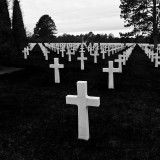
45, 31
91, 38
12, 32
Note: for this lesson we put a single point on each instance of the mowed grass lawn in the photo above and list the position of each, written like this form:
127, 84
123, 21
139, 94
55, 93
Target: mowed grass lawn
36, 123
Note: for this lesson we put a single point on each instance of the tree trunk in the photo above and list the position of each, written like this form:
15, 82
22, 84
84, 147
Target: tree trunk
155, 43
155, 30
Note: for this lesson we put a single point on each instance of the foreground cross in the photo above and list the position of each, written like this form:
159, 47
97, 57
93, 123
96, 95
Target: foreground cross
110, 71
82, 100
56, 67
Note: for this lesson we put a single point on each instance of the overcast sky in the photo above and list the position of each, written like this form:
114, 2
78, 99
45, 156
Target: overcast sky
76, 16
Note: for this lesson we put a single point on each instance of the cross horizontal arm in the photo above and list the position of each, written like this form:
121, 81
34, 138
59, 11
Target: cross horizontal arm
71, 99
93, 101
61, 66
51, 65
105, 69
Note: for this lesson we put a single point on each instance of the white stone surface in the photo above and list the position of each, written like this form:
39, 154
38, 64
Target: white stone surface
82, 58
119, 61
69, 53
95, 55
123, 57
82, 49
25, 51
45, 52
57, 48
62, 51
157, 58
31, 46
103, 52
110, 71
82, 100
56, 67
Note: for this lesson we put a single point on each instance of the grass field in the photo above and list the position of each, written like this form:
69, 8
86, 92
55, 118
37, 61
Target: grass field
36, 123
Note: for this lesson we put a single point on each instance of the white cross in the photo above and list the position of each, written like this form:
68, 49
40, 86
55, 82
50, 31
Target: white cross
62, 50
152, 55
110, 71
73, 49
89, 47
90, 50
112, 50
125, 54
81, 49
26, 52
69, 53
95, 54
109, 52
123, 57
119, 61
56, 67
82, 59
45, 52
157, 62
103, 53
158, 49
53, 47
28, 49
57, 48
82, 100
116, 50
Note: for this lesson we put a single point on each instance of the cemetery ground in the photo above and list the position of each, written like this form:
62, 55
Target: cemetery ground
37, 124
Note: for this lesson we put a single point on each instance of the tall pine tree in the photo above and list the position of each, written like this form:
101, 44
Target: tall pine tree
18, 29
5, 23
45, 28
7, 46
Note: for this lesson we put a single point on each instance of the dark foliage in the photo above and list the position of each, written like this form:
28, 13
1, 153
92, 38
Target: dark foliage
6, 39
143, 15
18, 29
5, 24
45, 28
4, 14
95, 38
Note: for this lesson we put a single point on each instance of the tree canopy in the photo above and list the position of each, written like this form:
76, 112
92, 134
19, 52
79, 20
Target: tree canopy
45, 27
143, 15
